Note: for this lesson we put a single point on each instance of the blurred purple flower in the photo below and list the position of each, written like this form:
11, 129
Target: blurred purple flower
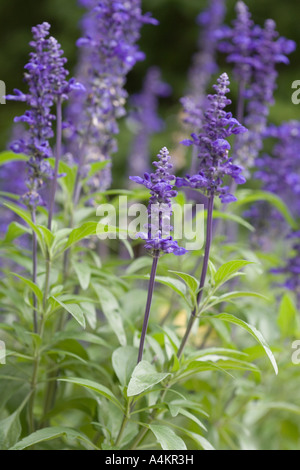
254, 52
204, 63
109, 50
144, 118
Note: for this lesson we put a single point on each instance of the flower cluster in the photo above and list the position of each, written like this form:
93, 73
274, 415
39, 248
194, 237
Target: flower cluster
255, 52
144, 118
213, 147
204, 63
111, 30
161, 186
46, 79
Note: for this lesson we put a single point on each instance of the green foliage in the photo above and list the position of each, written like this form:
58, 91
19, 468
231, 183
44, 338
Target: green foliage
74, 382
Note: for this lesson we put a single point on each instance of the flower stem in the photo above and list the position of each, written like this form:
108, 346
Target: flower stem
57, 158
34, 271
148, 306
209, 235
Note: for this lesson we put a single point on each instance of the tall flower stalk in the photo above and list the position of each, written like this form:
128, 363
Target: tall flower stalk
254, 53
109, 51
144, 119
214, 166
158, 237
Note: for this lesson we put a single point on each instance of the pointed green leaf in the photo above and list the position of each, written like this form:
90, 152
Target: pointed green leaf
10, 430
143, 377
248, 197
167, 438
37, 291
83, 272
225, 272
191, 281
74, 309
111, 310
46, 434
15, 230
124, 361
96, 387
287, 316
254, 332
7, 157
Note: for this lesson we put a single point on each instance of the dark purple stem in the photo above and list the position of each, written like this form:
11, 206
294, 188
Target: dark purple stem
209, 235
57, 158
34, 272
148, 306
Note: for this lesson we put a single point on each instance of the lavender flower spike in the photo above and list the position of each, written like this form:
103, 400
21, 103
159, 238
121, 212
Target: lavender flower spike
45, 76
161, 186
159, 241
213, 147
204, 63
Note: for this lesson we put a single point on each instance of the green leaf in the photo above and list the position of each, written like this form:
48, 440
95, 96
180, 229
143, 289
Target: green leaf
10, 430
15, 230
79, 233
123, 361
176, 410
233, 218
27, 218
83, 272
47, 234
138, 264
247, 197
204, 443
143, 377
254, 332
90, 313
35, 289
74, 309
6, 157
47, 434
96, 387
233, 295
111, 310
167, 438
191, 281
178, 286
227, 270
67, 182
287, 317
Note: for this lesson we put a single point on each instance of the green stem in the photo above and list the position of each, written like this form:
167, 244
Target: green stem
194, 316
34, 382
34, 272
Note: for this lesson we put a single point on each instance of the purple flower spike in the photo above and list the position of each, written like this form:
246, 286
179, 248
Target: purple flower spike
204, 63
254, 52
213, 148
161, 184
45, 75
109, 50
144, 118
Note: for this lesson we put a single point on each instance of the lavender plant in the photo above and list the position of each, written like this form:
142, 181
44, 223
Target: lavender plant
159, 239
87, 366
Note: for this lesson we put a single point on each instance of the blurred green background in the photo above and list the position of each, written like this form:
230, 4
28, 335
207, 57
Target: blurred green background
170, 45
